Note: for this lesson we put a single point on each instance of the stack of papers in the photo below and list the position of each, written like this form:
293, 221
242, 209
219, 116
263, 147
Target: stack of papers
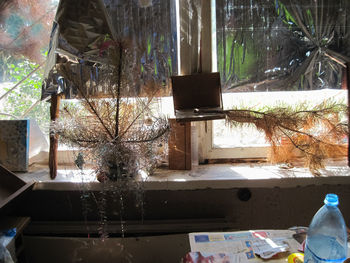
243, 246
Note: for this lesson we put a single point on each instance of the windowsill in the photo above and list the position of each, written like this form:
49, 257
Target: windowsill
215, 176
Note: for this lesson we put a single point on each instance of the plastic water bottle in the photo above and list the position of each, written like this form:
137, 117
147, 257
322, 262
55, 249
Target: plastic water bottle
326, 239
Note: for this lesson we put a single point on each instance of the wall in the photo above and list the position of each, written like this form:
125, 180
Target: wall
145, 249
157, 231
279, 203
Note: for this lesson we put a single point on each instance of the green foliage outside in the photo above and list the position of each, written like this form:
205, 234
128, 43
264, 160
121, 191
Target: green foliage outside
244, 58
25, 31
25, 95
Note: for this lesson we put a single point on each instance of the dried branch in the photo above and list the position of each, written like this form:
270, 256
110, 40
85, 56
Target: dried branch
120, 134
94, 111
317, 133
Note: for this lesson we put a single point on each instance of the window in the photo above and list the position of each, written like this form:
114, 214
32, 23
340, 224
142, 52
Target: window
224, 142
24, 33
262, 49
272, 53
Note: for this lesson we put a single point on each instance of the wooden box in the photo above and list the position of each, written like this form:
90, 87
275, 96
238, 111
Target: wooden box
11, 188
180, 145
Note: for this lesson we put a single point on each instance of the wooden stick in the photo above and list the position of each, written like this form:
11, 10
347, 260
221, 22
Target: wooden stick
118, 91
348, 87
54, 112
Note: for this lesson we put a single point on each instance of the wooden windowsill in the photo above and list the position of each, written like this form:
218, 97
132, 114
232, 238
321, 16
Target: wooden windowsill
216, 176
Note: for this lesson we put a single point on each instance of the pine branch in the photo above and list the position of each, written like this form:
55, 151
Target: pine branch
154, 138
139, 114
96, 113
297, 126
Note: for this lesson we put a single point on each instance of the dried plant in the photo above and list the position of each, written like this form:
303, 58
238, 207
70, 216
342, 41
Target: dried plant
312, 134
120, 134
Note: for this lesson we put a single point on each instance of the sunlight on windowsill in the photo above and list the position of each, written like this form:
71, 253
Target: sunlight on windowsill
217, 176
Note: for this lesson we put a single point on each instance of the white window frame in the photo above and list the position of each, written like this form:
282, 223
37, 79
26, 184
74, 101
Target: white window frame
207, 150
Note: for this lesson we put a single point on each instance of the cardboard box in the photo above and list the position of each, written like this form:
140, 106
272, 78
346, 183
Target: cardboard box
14, 144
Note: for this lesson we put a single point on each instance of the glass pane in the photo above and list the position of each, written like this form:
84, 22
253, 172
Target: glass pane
246, 136
281, 45
25, 35
87, 32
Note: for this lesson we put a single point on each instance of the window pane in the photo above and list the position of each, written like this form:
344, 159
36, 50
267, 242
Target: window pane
86, 32
151, 25
248, 136
281, 45
25, 34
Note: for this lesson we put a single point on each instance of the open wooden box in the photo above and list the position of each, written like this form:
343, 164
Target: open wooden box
11, 188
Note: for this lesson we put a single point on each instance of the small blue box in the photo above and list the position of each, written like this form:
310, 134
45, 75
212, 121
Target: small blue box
14, 145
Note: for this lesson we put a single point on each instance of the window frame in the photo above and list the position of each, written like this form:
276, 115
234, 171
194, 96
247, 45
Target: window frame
206, 149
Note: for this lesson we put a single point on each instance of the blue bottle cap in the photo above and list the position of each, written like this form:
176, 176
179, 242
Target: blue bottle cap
10, 232
331, 200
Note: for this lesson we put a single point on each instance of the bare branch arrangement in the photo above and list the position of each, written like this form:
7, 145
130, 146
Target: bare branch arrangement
312, 134
120, 134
